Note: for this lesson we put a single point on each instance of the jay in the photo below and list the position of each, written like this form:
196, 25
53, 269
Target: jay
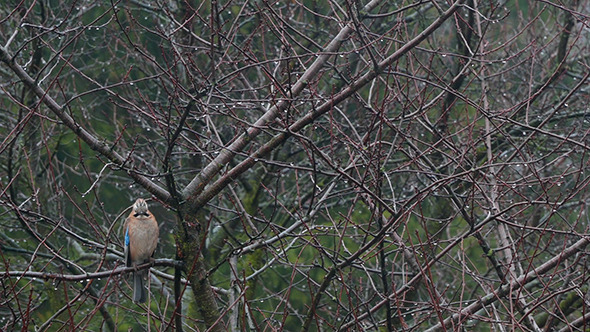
141, 238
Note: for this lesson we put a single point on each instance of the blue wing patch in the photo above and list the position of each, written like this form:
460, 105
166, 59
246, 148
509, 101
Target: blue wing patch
127, 237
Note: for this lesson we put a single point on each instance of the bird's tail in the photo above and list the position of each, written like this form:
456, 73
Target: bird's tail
139, 293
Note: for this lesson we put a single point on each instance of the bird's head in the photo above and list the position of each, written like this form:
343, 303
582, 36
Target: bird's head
140, 208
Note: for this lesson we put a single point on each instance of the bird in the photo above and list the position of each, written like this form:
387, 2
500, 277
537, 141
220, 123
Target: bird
141, 239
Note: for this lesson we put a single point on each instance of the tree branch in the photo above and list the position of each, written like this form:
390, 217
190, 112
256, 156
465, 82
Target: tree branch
198, 183
511, 288
278, 139
82, 133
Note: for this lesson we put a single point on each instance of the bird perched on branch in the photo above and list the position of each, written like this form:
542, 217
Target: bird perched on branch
141, 238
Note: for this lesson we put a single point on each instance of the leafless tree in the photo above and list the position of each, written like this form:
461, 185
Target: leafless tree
313, 165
